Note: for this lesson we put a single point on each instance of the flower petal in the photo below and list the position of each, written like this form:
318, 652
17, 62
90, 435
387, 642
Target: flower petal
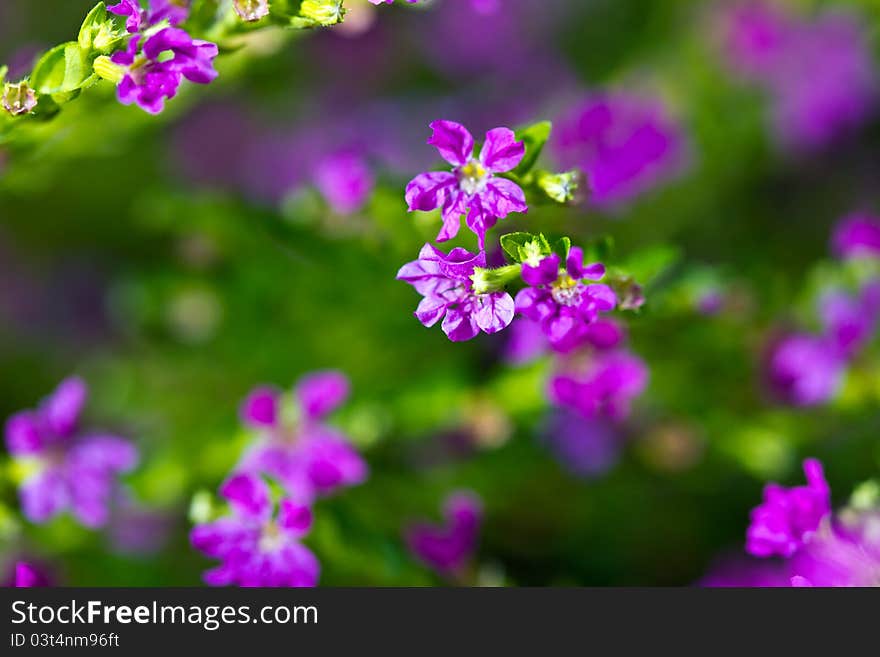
260, 408
544, 273
455, 143
321, 392
459, 326
63, 407
496, 312
501, 152
249, 495
295, 519
502, 197
429, 191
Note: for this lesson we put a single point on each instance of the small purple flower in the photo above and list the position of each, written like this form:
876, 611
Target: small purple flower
804, 370
28, 575
789, 517
560, 301
605, 388
850, 322
587, 447
446, 285
255, 546
153, 73
857, 236
471, 188
72, 470
626, 145
298, 449
345, 180
138, 19
448, 549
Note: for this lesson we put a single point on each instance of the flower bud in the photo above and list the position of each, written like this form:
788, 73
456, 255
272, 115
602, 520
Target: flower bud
251, 10
561, 187
486, 281
107, 70
321, 12
18, 98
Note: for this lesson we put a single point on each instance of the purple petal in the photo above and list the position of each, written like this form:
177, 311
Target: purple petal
535, 304
331, 462
455, 143
501, 152
546, 272
430, 310
295, 519
44, 495
63, 407
495, 313
459, 326
503, 196
454, 206
429, 191
601, 296
23, 435
320, 393
857, 236
249, 495
103, 453
260, 408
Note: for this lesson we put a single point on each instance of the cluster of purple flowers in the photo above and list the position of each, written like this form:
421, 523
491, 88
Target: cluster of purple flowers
159, 54
307, 458
805, 369
818, 73
817, 547
68, 469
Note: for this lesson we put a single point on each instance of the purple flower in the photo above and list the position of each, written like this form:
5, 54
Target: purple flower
471, 188
848, 554
819, 74
71, 470
28, 575
256, 546
345, 181
445, 283
857, 236
605, 388
587, 447
850, 322
789, 517
525, 343
154, 73
626, 145
447, 549
298, 449
739, 572
560, 301
804, 370
138, 19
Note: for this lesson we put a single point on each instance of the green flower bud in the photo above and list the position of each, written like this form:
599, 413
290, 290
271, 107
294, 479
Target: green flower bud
18, 98
561, 187
485, 281
313, 13
251, 10
107, 70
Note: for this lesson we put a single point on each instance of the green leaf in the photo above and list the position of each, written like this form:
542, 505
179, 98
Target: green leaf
525, 247
512, 242
63, 69
648, 264
534, 137
318, 13
562, 247
3, 71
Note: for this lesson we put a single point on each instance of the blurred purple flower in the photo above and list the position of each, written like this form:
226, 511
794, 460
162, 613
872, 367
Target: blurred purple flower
560, 302
471, 188
525, 343
587, 447
445, 283
625, 144
789, 517
447, 549
605, 388
741, 572
72, 470
857, 236
137, 529
803, 370
850, 322
298, 449
27, 574
345, 180
255, 546
848, 554
819, 74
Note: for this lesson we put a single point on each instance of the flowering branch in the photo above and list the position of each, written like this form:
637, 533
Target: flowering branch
146, 52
